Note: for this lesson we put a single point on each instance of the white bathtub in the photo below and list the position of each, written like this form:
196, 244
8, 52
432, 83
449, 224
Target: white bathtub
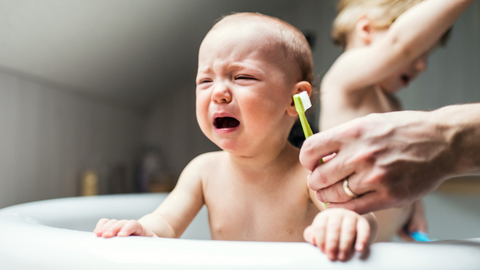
57, 234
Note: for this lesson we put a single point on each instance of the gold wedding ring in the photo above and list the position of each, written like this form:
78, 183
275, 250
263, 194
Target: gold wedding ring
347, 190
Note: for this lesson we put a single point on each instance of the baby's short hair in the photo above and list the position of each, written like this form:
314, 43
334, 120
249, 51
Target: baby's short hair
382, 13
287, 38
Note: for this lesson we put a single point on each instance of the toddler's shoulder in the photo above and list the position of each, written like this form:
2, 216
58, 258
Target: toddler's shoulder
207, 159
201, 167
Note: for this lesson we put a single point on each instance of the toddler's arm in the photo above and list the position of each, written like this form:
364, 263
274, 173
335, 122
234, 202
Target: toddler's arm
337, 231
417, 222
172, 217
410, 36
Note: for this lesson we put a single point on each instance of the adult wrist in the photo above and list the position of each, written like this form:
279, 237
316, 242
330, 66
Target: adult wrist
459, 125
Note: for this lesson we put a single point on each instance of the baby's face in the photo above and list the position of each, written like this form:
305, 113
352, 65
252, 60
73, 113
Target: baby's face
405, 75
243, 89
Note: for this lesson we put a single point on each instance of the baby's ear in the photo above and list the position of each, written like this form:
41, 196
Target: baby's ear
364, 30
298, 88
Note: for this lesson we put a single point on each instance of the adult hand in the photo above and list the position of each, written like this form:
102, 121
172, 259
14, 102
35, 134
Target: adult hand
394, 158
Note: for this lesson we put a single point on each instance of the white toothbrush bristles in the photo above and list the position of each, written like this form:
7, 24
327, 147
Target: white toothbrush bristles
305, 100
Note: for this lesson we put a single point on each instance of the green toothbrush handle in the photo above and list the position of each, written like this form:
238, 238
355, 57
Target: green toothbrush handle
306, 129
305, 126
308, 132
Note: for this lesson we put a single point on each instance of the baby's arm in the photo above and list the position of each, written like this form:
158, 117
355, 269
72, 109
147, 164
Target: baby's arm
336, 231
411, 35
417, 222
172, 217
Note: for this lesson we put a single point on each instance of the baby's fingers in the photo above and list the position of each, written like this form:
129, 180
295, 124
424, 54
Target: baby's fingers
132, 227
113, 228
309, 235
334, 226
103, 225
319, 228
347, 237
99, 226
363, 234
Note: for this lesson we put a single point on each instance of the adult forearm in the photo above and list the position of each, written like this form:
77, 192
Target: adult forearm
461, 127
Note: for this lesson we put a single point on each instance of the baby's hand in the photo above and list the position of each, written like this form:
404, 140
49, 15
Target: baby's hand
111, 227
417, 222
334, 231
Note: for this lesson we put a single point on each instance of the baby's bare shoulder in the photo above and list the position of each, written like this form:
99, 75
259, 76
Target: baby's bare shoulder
200, 168
207, 158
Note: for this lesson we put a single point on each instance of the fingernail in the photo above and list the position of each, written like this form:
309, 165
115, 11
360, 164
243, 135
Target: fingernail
341, 255
359, 247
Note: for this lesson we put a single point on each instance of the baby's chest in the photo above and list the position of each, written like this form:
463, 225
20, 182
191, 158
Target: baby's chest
381, 101
260, 218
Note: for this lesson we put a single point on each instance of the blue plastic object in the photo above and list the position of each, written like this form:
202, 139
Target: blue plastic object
420, 236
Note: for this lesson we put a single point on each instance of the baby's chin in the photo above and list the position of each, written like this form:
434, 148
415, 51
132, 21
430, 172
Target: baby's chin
231, 146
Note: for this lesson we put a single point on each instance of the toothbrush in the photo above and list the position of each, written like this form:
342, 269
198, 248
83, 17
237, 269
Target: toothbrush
302, 103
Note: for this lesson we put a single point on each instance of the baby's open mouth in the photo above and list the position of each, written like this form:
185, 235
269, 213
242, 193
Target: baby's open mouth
405, 79
225, 122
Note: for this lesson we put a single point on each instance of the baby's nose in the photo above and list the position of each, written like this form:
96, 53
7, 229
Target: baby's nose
221, 94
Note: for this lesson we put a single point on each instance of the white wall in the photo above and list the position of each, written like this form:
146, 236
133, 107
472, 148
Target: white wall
453, 216
172, 129
48, 136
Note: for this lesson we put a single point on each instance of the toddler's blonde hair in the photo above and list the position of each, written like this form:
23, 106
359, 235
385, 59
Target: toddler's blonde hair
382, 14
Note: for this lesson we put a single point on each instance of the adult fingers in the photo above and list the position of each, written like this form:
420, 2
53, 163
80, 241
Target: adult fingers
330, 172
368, 202
347, 237
336, 193
316, 147
333, 193
363, 233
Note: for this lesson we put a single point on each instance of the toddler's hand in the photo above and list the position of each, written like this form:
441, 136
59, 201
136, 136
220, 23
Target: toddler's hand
417, 222
336, 230
111, 227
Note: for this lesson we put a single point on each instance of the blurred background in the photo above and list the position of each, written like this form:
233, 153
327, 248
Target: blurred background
98, 97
